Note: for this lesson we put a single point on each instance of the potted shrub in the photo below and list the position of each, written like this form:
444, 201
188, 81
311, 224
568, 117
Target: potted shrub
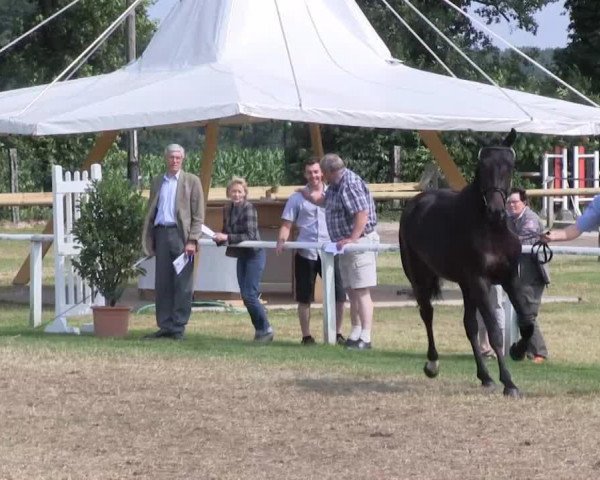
108, 231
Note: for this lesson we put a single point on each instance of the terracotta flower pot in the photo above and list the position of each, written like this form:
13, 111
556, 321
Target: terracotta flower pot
111, 321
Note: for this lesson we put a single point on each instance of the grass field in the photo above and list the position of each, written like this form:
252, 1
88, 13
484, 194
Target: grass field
218, 406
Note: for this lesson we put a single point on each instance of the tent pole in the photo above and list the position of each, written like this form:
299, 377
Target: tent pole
316, 140
211, 141
433, 142
103, 143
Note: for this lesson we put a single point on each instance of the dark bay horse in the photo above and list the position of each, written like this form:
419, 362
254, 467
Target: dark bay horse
463, 237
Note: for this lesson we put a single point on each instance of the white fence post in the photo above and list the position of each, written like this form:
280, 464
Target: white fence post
72, 295
511, 327
35, 284
328, 274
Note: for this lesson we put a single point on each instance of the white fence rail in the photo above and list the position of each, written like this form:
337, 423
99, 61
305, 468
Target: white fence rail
35, 272
329, 325
329, 320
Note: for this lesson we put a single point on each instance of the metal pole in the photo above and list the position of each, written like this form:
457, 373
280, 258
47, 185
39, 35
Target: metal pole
133, 164
14, 181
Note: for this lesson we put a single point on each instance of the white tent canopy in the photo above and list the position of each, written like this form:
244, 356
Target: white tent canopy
316, 61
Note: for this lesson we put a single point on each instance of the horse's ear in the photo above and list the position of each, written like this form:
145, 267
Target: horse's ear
510, 138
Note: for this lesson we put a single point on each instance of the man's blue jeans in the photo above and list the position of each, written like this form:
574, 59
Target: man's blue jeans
250, 268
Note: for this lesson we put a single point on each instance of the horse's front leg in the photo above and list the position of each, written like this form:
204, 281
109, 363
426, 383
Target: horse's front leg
520, 296
481, 298
471, 329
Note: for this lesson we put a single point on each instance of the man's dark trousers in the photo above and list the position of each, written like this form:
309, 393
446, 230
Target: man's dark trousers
173, 293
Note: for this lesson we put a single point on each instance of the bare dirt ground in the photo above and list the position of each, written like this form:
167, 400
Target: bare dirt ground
90, 417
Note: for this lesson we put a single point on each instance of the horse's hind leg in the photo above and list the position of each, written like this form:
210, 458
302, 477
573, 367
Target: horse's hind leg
423, 294
425, 284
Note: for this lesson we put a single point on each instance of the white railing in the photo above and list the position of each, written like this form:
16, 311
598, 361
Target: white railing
327, 268
35, 272
550, 163
327, 262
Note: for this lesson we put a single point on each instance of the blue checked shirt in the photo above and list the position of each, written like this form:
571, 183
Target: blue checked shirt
345, 199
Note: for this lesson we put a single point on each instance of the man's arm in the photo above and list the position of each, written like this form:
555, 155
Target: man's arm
360, 222
569, 233
284, 234
196, 216
318, 198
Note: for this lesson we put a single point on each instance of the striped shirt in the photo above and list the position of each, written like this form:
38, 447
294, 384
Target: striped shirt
344, 200
310, 221
165, 212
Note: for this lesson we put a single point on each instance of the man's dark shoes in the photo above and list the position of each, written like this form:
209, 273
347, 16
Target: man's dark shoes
308, 340
339, 339
163, 334
350, 343
157, 334
359, 344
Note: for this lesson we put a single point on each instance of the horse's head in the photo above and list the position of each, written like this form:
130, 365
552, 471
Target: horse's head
494, 177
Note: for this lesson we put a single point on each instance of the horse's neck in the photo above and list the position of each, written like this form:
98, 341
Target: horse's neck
470, 197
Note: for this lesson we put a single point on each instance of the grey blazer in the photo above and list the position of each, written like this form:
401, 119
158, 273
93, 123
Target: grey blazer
189, 207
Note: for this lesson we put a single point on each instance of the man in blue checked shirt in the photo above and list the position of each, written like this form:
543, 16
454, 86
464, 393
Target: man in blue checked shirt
351, 218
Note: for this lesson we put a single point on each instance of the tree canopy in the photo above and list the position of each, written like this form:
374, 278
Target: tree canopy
39, 58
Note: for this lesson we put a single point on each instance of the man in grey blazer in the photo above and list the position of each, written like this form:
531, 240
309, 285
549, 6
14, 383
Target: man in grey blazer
173, 226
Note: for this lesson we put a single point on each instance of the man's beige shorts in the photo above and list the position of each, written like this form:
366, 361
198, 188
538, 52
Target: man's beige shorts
359, 269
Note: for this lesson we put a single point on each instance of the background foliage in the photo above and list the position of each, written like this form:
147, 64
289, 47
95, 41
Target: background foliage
271, 153
108, 230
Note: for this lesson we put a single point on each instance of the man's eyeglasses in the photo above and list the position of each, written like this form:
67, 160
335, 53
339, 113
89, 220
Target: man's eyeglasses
513, 201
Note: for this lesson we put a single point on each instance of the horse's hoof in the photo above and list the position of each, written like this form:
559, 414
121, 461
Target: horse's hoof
512, 392
432, 369
516, 353
488, 385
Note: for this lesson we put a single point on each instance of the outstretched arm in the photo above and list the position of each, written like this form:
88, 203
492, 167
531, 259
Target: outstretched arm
562, 235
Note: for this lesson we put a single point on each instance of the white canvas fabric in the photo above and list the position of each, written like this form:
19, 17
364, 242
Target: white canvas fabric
300, 60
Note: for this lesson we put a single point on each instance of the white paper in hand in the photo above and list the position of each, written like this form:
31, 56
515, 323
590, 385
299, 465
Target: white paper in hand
207, 231
140, 261
332, 248
180, 262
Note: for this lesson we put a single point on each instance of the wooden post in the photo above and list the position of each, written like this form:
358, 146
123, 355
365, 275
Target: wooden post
432, 140
316, 140
211, 142
395, 167
14, 181
133, 163
103, 143
396, 164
